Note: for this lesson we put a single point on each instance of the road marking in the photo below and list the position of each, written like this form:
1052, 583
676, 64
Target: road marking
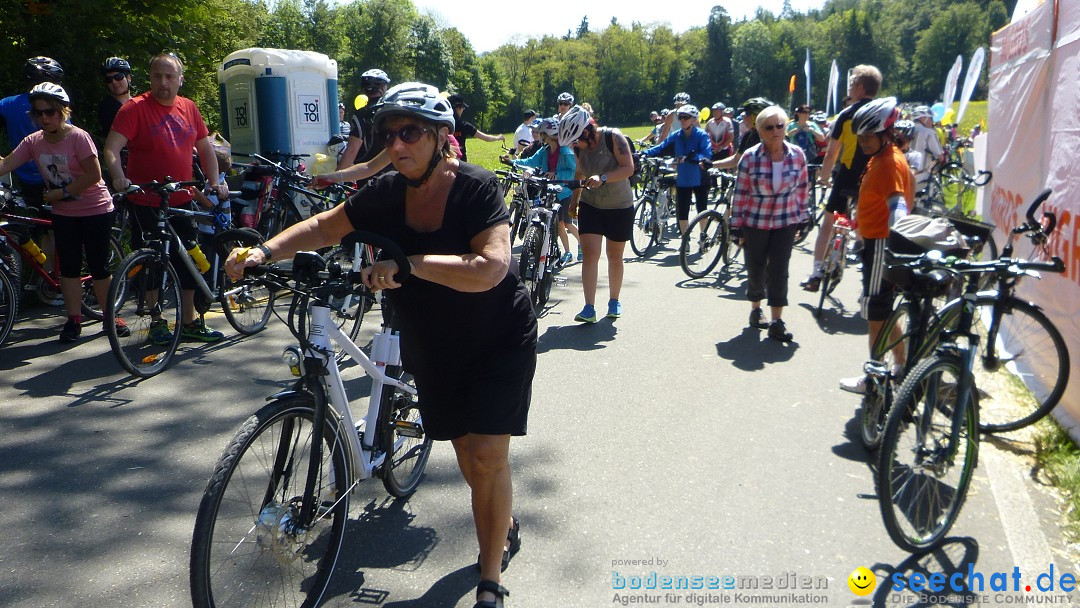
1029, 547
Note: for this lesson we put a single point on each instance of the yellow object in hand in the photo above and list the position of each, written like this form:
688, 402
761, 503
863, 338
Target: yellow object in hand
242, 254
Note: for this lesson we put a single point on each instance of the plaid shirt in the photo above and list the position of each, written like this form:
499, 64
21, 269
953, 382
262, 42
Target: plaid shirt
756, 204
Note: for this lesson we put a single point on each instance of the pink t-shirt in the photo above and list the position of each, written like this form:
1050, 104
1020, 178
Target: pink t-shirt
59, 164
161, 140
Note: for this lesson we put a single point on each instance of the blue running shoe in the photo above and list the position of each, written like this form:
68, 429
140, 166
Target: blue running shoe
566, 258
614, 309
587, 314
159, 333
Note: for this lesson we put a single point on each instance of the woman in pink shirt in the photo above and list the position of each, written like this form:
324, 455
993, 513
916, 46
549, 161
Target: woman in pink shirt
81, 205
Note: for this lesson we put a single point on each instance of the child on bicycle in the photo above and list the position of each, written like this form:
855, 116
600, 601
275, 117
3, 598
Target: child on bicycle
81, 204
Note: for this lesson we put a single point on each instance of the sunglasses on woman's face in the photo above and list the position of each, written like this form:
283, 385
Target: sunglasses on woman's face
773, 127
409, 134
36, 113
685, 117
114, 78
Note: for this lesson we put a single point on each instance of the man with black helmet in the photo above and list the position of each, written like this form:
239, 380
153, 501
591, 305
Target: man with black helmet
362, 144
15, 120
117, 74
464, 129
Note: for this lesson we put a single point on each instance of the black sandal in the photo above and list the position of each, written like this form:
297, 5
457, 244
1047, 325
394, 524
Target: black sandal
491, 587
514, 538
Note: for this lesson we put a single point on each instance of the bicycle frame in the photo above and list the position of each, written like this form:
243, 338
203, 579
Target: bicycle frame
544, 215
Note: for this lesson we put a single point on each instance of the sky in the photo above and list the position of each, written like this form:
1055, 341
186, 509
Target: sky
489, 24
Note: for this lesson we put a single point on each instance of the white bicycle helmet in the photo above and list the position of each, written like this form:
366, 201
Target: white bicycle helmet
376, 74
573, 124
565, 97
415, 99
688, 109
876, 116
50, 90
549, 127
921, 112
681, 98
42, 69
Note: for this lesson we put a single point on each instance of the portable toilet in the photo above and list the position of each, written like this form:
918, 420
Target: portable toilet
276, 100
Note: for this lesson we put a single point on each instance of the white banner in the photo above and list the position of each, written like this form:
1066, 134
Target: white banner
972, 78
831, 97
806, 69
1035, 86
950, 82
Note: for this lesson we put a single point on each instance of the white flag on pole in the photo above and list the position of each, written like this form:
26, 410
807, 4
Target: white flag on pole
806, 69
950, 82
972, 78
831, 98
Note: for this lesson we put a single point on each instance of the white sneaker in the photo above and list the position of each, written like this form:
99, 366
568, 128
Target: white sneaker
855, 385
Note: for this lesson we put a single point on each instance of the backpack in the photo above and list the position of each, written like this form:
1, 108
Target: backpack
635, 178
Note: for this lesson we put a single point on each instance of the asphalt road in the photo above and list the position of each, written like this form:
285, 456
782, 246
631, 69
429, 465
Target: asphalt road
672, 441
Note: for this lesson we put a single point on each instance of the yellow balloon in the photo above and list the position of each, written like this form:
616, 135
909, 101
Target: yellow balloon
704, 114
949, 117
360, 101
444, 94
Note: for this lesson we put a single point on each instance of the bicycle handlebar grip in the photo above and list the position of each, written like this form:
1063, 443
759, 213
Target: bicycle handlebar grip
1039, 200
390, 247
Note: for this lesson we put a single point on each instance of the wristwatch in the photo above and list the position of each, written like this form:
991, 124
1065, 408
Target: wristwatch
265, 251
603, 178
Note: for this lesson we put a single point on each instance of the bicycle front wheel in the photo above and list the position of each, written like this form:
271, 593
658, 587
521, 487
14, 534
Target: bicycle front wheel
406, 444
90, 306
250, 546
704, 243
529, 268
890, 347
925, 470
145, 293
247, 303
1032, 351
646, 232
9, 304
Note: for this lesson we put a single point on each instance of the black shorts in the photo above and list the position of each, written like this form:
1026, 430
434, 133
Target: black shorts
614, 224
838, 202
74, 235
878, 294
490, 398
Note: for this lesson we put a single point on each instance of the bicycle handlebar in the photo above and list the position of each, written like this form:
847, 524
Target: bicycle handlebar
933, 259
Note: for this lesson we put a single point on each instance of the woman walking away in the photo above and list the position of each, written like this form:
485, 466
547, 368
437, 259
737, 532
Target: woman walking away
81, 205
468, 333
606, 204
768, 205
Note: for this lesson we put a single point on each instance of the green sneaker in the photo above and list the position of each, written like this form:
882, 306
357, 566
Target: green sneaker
159, 333
197, 330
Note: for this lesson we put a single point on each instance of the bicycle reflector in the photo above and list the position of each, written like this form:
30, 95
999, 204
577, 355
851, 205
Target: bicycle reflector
293, 360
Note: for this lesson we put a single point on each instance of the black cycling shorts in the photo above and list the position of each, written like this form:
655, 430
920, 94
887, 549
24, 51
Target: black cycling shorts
73, 235
613, 224
878, 294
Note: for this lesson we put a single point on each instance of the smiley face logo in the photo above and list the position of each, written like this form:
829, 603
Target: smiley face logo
861, 581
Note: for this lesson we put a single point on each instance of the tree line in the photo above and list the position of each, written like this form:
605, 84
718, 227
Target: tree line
622, 70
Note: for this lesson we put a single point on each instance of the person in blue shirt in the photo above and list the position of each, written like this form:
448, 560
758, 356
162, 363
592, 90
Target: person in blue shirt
691, 146
564, 163
15, 120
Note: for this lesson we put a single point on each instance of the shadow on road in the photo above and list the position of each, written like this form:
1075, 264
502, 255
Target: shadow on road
952, 557
583, 336
835, 319
751, 350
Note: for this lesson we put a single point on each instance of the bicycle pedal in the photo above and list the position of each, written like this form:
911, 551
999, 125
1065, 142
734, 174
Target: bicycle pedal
406, 428
876, 369
561, 281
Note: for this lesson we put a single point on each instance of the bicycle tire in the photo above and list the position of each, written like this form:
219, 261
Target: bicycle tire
529, 265
826, 286
247, 303
1033, 348
137, 276
517, 219
699, 255
243, 549
876, 403
403, 438
9, 304
90, 307
646, 229
919, 429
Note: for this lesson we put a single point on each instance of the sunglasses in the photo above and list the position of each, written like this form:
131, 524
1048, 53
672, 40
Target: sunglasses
114, 78
371, 83
409, 134
773, 127
564, 103
50, 112
685, 117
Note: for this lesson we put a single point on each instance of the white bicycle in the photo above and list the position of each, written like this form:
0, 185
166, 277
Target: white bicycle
272, 519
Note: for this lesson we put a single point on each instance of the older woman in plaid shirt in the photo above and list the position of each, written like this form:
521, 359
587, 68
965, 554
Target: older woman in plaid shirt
767, 208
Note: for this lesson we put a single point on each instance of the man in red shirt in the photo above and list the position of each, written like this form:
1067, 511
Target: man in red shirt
160, 129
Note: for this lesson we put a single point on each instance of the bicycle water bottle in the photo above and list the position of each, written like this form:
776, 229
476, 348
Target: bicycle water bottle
199, 257
32, 248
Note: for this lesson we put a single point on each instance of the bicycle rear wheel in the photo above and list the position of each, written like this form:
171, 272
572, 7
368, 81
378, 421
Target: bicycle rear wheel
249, 546
879, 389
407, 445
529, 268
704, 244
1032, 351
9, 304
924, 471
145, 293
646, 233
